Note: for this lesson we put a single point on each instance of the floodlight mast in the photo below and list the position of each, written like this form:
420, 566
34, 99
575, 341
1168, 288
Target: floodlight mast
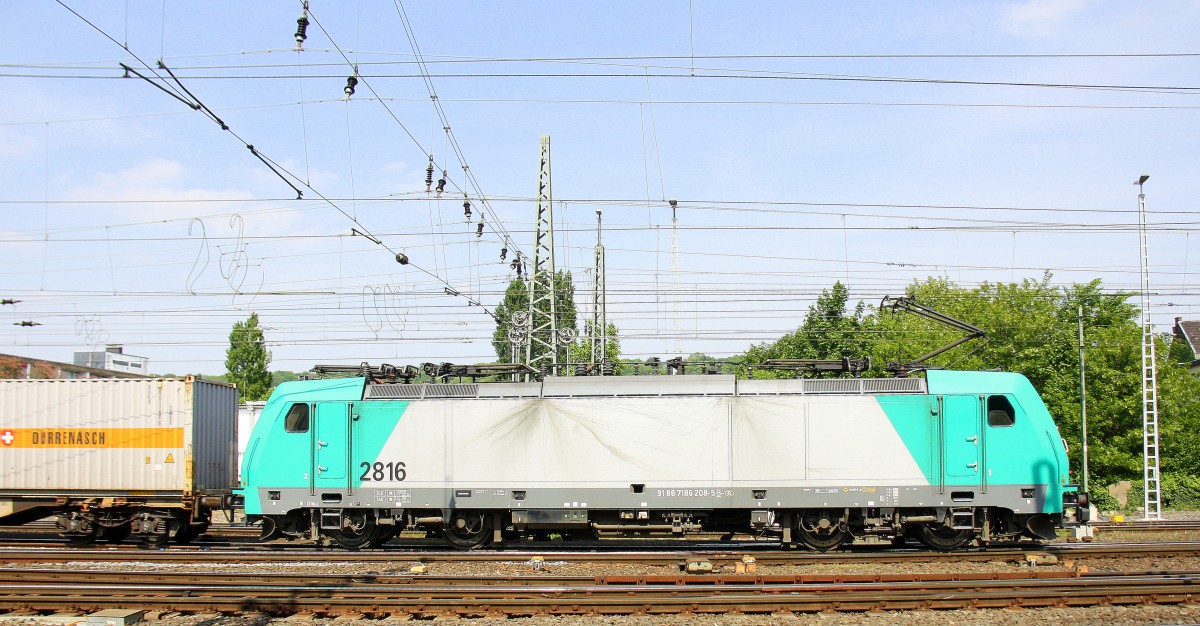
599, 334
1150, 467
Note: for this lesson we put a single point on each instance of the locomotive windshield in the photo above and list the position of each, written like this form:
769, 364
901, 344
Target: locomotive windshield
1000, 411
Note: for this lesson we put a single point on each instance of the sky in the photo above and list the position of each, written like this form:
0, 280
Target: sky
803, 143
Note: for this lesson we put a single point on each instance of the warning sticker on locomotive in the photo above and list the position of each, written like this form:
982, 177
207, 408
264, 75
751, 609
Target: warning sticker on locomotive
397, 496
92, 437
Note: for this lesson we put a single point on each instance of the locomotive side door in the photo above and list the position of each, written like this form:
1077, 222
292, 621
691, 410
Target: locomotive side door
331, 441
961, 440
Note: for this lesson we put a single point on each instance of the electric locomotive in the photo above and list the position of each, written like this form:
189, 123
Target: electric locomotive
947, 459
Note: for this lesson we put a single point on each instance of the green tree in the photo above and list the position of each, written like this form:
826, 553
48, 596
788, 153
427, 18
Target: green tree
247, 359
516, 299
1033, 329
581, 348
283, 376
829, 331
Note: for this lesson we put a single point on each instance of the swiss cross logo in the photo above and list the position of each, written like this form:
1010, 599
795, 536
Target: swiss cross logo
7, 437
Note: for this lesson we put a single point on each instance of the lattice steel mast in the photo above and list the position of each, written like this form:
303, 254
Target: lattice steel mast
1150, 474
541, 351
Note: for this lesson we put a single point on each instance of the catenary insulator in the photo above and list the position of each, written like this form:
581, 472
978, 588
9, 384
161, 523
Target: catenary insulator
442, 182
351, 81
479, 230
429, 175
402, 258
467, 208
301, 30
503, 253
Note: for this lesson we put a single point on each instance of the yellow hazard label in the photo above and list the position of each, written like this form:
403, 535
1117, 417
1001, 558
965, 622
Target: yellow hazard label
170, 458
91, 438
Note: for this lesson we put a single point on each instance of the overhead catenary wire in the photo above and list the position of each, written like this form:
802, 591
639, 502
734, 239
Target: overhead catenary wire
754, 273
744, 75
185, 96
445, 123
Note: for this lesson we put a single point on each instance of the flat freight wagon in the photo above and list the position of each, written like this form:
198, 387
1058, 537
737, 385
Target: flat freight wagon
107, 458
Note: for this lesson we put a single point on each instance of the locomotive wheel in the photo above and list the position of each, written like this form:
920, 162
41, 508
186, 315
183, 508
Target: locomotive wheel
943, 538
821, 530
468, 530
383, 534
361, 532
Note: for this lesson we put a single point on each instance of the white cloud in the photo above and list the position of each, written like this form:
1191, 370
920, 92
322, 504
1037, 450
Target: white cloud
18, 145
159, 179
1039, 18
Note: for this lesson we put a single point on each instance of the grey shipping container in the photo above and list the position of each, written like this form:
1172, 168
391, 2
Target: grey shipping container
147, 449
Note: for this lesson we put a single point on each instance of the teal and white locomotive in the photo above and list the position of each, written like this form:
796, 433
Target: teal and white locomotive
947, 459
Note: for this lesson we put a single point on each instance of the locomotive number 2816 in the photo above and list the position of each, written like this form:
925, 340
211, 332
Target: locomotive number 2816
380, 471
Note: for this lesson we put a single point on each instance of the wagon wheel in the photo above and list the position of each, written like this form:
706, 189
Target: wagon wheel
468, 530
359, 533
821, 530
189, 533
80, 539
156, 540
115, 534
943, 538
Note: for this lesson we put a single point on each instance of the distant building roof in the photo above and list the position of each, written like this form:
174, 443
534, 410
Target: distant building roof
113, 358
40, 368
1189, 332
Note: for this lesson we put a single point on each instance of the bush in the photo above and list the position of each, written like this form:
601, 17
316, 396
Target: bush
1104, 501
1180, 492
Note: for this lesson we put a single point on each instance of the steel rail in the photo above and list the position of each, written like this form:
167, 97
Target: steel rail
158, 577
272, 554
433, 601
1147, 526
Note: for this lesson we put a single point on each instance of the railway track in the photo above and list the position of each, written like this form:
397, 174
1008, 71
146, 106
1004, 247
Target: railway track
1147, 526
763, 555
39, 590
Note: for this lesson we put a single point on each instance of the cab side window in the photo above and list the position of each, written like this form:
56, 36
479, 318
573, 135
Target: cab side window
296, 420
1000, 411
